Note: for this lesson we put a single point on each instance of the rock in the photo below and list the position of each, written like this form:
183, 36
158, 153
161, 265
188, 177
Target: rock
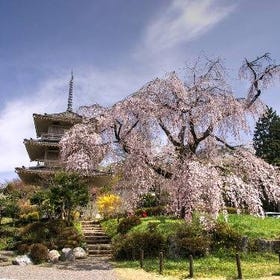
67, 255
22, 260
79, 253
53, 256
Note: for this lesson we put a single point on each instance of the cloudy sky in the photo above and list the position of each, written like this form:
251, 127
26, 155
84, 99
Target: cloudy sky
114, 47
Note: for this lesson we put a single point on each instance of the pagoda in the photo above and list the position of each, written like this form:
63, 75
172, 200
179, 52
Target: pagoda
45, 148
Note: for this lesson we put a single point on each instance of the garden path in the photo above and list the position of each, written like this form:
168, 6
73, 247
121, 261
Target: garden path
87, 269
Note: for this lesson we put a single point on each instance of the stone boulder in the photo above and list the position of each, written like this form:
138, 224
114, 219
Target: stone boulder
79, 253
22, 260
53, 256
67, 255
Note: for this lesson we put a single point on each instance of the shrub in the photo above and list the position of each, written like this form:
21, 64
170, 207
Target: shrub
23, 248
190, 238
39, 253
223, 236
32, 216
128, 223
53, 234
149, 199
108, 205
129, 247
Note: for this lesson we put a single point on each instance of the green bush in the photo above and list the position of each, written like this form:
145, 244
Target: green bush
53, 234
128, 223
129, 247
32, 216
149, 199
39, 253
223, 236
23, 248
190, 238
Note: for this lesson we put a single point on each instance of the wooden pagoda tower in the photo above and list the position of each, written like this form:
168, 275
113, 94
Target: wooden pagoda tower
45, 149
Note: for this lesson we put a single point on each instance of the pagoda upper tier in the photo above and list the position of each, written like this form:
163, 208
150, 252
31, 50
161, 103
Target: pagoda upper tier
45, 149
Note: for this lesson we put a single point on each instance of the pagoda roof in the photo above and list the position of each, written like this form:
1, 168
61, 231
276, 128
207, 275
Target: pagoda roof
34, 175
42, 121
36, 148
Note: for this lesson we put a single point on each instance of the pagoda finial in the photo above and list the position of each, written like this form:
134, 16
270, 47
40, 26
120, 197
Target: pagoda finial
70, 95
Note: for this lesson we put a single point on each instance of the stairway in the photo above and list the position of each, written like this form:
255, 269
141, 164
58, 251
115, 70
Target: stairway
98, 243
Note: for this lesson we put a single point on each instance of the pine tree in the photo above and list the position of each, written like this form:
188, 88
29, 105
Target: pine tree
267, 137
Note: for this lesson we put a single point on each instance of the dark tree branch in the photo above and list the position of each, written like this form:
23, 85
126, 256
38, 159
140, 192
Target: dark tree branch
206, 133
160, 171
224, 142
132, 127
168, 134
257, 77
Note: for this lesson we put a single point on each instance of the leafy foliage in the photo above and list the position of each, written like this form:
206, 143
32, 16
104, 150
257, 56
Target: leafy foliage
108, 205
267, 137
67, 192
127, 248
53, 234
224, 236
128, 223
39, 253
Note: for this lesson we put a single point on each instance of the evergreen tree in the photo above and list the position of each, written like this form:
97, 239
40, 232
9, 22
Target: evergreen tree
267, 137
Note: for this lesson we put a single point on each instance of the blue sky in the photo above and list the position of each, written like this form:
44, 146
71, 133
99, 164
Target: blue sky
114, 47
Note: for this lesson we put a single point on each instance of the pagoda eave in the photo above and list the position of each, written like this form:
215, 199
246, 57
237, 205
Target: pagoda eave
36, 148
34, 176
42, 122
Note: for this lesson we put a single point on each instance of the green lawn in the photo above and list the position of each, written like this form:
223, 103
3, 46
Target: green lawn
246, 225
214, 266
255, 227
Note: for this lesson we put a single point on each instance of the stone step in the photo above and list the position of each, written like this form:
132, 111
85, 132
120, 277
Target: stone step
96, 238
100, 246
93, 240
98, 243
90, 223
103, 256
91, 226
93, 229
91, 233
100, 252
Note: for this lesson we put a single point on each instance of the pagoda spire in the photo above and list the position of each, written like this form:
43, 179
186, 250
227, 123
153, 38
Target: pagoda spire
70, 95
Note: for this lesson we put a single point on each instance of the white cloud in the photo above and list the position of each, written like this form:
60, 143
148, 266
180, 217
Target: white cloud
181, 22
90, 86
16, 123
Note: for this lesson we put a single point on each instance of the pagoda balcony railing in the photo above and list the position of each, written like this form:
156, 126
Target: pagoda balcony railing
51, 136
49, 163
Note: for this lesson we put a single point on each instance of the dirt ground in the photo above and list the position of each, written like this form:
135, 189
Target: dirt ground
133, 274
